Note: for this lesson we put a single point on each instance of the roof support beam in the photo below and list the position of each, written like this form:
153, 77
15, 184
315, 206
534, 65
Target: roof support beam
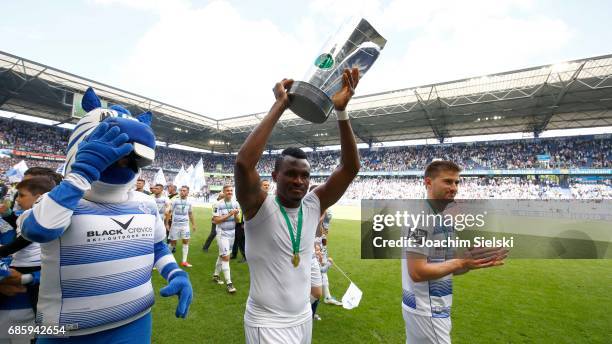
430, 117
362, 133
298, 137
23, 84
540, 128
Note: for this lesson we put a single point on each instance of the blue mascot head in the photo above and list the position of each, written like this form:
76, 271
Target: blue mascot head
137, 128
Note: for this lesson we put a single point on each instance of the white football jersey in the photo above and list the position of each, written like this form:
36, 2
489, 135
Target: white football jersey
223, 208
279, 294
181, 208
429, 298
162, 202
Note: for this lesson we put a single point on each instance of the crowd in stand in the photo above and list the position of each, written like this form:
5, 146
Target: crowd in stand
573, 152
567, 152
477, 188
32, 137
7, 163
168, 158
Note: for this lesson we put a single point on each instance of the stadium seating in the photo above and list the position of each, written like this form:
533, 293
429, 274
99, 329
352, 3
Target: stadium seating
566, 152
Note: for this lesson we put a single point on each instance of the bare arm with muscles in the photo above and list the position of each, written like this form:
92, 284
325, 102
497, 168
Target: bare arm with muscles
248, 190
335, 186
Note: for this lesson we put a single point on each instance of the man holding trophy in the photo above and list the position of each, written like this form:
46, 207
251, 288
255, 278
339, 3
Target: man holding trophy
280, 229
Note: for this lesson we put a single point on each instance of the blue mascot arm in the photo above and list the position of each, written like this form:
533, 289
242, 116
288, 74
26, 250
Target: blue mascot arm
178, 280
51, 214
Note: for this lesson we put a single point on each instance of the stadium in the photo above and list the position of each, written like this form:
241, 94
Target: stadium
517, 135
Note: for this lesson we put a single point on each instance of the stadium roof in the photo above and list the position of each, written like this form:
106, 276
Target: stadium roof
575, 94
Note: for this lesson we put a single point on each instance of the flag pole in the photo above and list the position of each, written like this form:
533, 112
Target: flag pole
342, 272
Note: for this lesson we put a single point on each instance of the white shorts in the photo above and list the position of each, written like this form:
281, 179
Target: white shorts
315, 273
225, 243
179, 231
426, 330
300, 334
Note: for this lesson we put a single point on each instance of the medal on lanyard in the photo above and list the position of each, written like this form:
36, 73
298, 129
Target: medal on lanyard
295, 242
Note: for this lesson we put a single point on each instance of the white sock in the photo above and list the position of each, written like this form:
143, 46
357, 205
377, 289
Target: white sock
226, 271
326, 292
313, 299
218, 266
325, 281
185, 252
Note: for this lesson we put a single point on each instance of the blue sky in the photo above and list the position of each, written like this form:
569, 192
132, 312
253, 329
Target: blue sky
222, 58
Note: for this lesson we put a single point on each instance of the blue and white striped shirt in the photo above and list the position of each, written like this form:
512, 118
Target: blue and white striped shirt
97, 258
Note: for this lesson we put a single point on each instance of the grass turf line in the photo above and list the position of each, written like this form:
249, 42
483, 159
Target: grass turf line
525, 301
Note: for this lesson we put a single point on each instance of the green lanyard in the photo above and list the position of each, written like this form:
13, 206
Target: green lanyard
294, 242
228, 207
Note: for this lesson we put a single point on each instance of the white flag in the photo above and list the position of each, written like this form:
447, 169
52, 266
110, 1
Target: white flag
16, 172
160, 178
189, 177
179, 179
352, 297
198, 176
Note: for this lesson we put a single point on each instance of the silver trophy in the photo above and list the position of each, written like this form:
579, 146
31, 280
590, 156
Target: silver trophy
354, 46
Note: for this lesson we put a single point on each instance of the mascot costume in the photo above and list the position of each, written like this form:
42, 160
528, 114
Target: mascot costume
100, 240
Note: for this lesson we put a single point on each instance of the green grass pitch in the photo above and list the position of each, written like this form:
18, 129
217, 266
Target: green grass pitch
525, 301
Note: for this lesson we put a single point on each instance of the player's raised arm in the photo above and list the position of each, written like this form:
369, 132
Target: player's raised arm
335, 186
248, 191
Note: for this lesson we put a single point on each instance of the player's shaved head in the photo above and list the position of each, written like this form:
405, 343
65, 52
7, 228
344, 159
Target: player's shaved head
291, 152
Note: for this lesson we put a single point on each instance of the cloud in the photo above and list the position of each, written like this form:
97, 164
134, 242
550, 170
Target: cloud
452, 40
214, 61
157, 6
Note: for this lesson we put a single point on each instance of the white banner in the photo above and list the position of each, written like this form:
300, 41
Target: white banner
160, 178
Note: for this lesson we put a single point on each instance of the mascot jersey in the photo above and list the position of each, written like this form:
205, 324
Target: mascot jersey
100, 241
98, 275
